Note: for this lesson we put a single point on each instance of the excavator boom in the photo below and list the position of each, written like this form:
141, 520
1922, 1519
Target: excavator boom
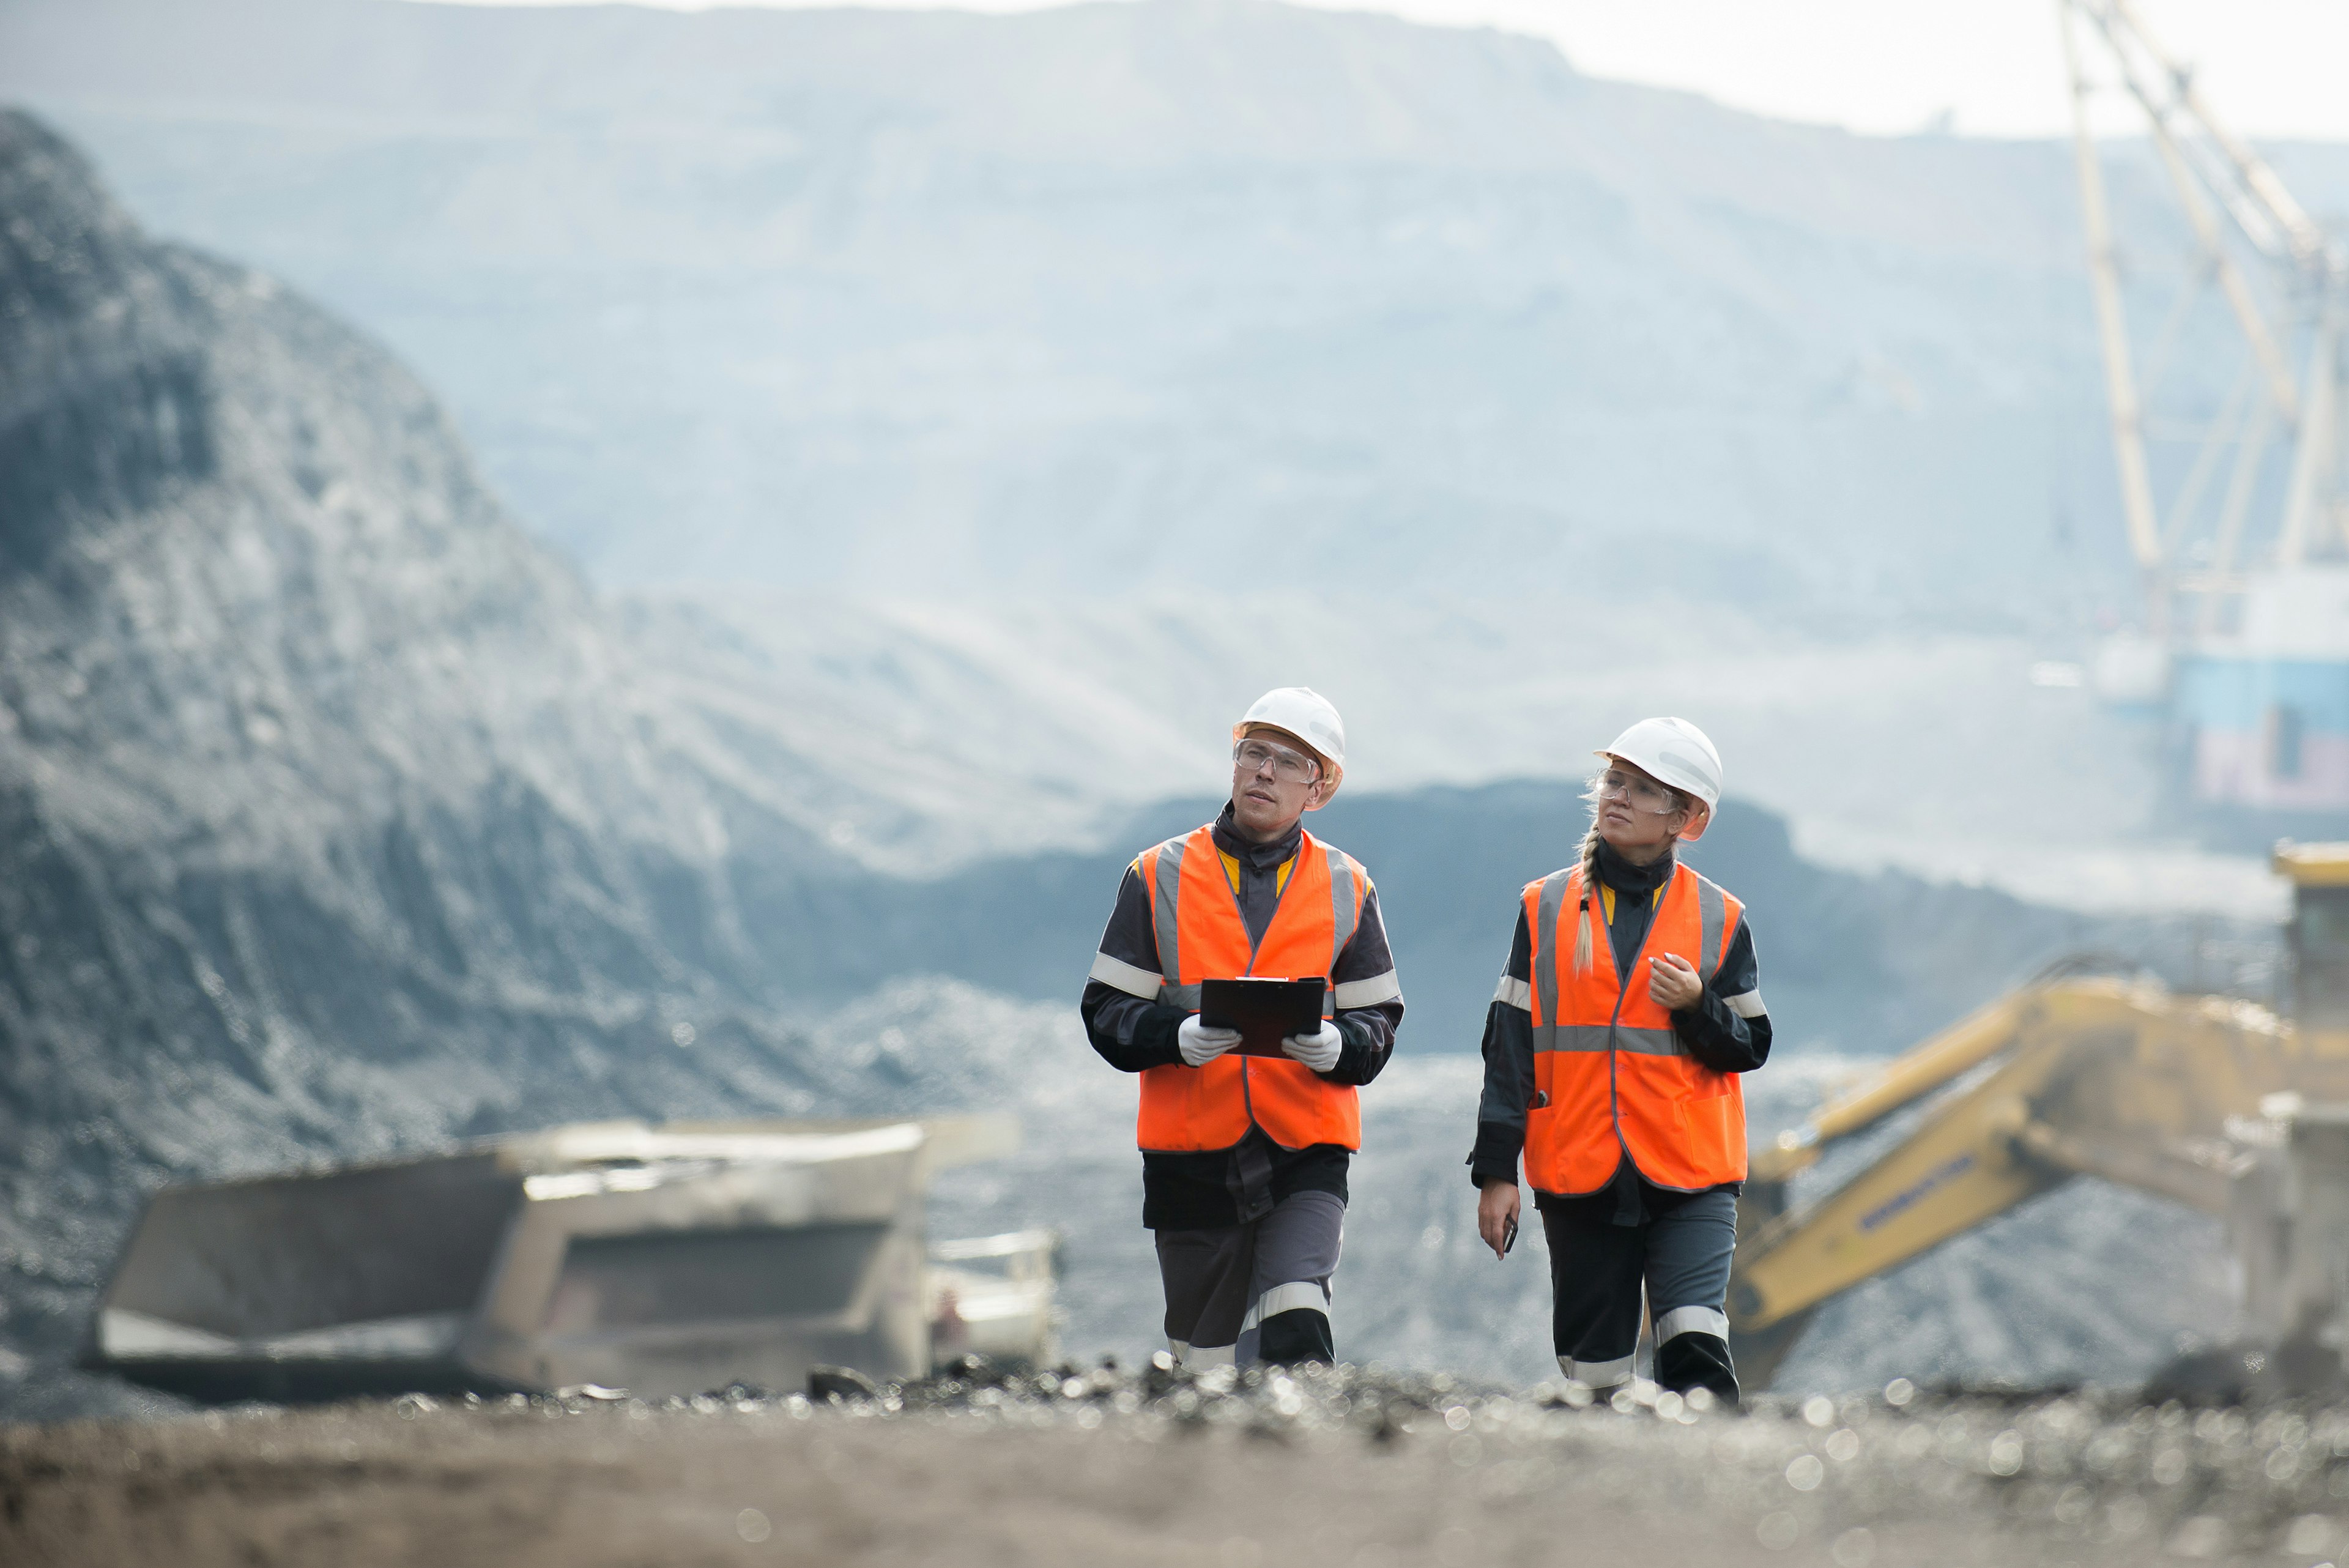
2069, 1077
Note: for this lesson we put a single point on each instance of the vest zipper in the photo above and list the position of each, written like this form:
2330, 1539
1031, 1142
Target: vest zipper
1622, 989
1255, 943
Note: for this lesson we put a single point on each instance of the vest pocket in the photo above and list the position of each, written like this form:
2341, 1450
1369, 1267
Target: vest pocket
1545, 1157
1709, 1085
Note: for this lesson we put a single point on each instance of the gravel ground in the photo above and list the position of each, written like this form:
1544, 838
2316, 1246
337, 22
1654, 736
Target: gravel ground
1348, 1467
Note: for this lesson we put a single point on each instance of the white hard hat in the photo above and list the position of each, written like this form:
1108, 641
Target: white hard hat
1677, 753
1306, 714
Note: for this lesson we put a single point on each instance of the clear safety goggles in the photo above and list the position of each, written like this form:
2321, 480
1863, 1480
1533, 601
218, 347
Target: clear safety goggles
1256, 753
1644, 794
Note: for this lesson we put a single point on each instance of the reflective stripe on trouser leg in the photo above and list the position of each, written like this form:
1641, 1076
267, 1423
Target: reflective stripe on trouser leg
1693, 1320
1596, 1373
1289, 1323
1312, 1294
1296, 1247
1198, 1358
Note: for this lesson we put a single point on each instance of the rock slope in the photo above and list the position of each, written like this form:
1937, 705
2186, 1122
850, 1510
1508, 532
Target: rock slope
331, 818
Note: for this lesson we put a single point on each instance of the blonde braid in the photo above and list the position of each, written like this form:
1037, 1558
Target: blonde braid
1589, 912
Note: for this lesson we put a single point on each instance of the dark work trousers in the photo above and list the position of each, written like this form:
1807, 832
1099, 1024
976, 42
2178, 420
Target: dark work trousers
1595, 1268
1256, 1291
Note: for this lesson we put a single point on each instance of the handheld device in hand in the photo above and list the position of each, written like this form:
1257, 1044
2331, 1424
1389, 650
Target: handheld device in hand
1509, 1236
1264, 1011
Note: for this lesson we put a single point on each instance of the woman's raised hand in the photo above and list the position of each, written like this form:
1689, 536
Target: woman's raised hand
1672, 981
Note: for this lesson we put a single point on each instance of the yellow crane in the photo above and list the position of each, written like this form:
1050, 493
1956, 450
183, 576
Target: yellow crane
2070, 1075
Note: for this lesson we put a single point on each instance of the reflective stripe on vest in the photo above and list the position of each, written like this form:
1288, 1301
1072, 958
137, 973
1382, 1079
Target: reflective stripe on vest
1610, 1072
1200, 936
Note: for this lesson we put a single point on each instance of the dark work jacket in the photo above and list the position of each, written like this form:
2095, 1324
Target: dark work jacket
1214, 1187
1726, 1029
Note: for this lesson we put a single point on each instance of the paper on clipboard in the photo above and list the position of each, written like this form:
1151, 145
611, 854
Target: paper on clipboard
1263, 1010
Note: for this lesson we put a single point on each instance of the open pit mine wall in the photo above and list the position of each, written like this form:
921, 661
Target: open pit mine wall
329, 821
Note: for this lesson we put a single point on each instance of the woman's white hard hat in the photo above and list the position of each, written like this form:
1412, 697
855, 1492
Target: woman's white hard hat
1306, 714
1679, 753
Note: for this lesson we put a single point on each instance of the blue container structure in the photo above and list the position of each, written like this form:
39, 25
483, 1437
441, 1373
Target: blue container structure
2266, 733
2260, 719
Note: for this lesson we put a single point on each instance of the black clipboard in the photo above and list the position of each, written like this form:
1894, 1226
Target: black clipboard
1264, 1011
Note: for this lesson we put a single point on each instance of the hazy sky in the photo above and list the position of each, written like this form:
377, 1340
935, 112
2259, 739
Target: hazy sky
2275, 68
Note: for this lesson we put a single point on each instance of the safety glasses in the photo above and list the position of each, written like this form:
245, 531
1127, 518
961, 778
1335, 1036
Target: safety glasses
1255, 753
1644, 794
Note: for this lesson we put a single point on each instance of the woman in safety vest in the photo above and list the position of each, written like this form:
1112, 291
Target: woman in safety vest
1612, 1049
1244, 1157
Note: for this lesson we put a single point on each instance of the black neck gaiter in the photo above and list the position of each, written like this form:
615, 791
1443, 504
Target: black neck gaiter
1635, 889
1625, 877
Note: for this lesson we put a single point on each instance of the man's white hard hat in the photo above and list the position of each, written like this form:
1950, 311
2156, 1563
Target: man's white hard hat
1306, 714
1679, 753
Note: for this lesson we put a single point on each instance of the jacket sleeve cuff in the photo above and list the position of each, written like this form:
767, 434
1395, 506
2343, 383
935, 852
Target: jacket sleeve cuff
1715, 1035
1353, 1062
1154, 1041
1495, 1155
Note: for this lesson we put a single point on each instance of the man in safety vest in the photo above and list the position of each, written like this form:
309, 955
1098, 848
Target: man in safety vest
1244, 1157
1630, 1003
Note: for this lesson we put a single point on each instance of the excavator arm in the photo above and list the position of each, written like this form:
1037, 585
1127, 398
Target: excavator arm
2068, 1078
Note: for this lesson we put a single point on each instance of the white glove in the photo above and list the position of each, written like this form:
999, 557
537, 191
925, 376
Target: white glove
1203, 1042
1318, 1050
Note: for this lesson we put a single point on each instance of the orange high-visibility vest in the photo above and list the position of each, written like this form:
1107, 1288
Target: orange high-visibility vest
1611, 1075
1200, 936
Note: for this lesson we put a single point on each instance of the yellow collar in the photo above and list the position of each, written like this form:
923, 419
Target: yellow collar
1279, 878
1607, 899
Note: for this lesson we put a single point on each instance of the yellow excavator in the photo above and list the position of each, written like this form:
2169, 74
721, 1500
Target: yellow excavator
2070, 1075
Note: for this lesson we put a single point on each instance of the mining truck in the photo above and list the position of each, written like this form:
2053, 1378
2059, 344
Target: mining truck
2215, 1102
660, 1259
